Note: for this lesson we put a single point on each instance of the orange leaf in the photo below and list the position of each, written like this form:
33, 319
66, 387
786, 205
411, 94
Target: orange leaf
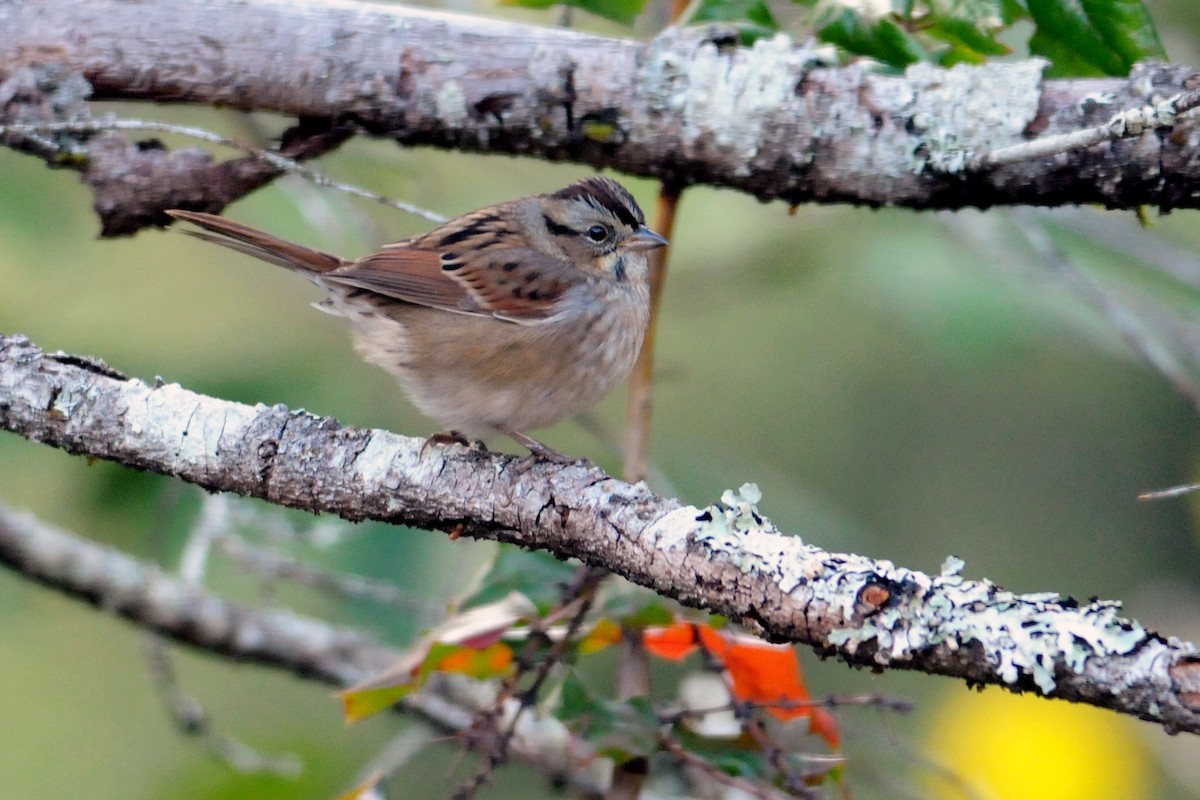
487, 662
674, 642
467, 643
766, 674
824, 724
387, 689
761, 673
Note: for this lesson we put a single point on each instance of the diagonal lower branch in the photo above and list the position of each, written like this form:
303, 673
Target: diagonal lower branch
122, 585
726, 558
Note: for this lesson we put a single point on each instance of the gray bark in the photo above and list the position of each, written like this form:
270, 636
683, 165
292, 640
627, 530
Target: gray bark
687, 107
726, 557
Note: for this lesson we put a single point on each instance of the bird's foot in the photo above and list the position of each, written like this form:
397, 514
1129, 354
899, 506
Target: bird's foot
547, 453
453, 437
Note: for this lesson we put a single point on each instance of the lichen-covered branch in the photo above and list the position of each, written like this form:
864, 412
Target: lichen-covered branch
688, 106
726, 557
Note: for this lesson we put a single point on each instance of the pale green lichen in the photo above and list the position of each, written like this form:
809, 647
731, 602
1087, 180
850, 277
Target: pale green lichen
1019, 634
723, 98
952, 568
64, 403
450, 103
736, 513
968, 110
736, 530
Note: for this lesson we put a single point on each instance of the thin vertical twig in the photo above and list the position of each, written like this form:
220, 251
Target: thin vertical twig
641, 382
633, 680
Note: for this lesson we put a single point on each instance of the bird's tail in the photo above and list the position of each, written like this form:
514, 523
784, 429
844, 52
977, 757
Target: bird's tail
255, 243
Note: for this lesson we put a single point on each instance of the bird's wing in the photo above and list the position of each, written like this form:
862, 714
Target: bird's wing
520, 284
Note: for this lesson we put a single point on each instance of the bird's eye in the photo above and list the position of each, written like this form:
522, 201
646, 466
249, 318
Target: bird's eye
597, 233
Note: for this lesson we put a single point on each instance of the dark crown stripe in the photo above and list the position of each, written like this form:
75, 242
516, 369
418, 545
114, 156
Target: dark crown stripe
607, 194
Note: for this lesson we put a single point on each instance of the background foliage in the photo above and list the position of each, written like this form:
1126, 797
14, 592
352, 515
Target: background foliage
899, 384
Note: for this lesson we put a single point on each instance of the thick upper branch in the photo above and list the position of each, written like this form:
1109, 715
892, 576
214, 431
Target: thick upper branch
688, 106
726, 558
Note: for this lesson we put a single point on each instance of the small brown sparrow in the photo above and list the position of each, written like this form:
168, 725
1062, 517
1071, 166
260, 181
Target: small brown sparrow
513, 317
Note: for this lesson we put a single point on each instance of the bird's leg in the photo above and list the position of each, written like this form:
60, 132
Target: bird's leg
545, 452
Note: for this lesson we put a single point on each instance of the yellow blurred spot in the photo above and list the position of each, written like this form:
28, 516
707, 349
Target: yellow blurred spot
998, 746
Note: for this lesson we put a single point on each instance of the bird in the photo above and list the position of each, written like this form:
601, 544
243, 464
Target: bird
507, 319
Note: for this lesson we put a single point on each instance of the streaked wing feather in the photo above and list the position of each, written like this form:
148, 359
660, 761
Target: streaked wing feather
516, 284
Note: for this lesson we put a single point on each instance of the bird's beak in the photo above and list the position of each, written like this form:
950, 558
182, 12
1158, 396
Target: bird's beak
645, 239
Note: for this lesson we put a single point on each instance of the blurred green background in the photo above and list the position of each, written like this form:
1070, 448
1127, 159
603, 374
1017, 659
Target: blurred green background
903, 385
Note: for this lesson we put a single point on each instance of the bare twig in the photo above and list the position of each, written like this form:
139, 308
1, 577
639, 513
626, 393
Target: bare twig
1123, 320
715, 773
1123, 125
1173, 491
577, 600
271, 564
192, 721
120, 585
873, 700
271, 157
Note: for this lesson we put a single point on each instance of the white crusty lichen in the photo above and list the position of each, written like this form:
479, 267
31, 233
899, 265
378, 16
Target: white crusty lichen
735, 529
723, 98
1019, 635
963, 111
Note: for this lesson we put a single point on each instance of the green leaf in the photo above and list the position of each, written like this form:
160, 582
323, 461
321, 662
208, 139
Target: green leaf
637, 609
751, 17
741, 764
1093, 37
967, 42
358, 704
725, 754
576, 702
618, 729
1012, 11
535, 574
979, 12
882, 39
622, 11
